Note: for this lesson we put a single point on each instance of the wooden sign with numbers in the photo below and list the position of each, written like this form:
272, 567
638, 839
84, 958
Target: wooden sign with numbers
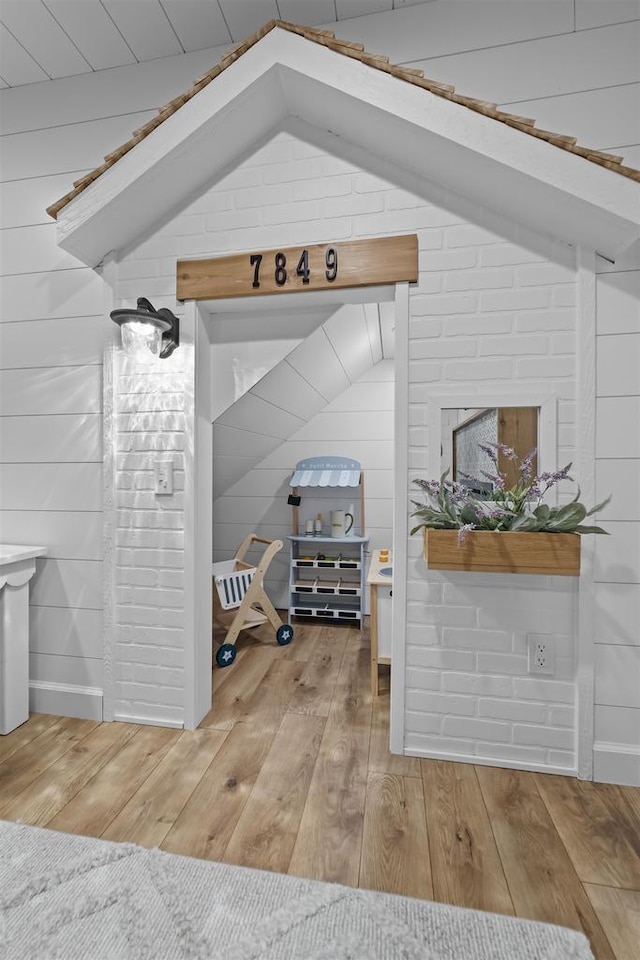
322, 266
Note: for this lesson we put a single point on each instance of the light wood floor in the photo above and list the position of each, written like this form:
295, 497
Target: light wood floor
291, 772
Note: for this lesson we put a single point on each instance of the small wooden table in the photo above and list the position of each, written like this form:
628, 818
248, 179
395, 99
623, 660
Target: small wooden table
17, 566
381, 592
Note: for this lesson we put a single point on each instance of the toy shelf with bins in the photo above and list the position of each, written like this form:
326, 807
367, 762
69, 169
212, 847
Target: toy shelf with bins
327, 577
327, 573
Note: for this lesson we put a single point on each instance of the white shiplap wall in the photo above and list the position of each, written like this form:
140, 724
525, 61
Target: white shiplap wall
617, 559
573, 65
290, 394
52, 331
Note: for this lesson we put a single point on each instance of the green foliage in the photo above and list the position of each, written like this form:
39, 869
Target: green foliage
454, 506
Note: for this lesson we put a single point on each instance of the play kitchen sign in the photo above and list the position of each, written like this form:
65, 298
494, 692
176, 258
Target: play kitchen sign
321, 266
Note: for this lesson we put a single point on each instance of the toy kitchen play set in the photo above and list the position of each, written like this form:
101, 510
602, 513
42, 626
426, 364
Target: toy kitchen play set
328, 543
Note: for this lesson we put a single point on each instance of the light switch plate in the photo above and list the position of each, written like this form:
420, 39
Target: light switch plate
163, 477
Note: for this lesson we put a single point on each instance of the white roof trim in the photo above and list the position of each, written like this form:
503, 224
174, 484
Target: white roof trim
528, 180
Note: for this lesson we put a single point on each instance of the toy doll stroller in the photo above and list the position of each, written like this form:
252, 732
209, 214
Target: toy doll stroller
239, 587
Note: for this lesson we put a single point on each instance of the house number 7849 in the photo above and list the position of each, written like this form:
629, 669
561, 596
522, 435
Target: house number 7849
302, 269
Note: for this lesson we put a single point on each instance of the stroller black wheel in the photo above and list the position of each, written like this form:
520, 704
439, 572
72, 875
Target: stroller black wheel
284, 634
225, 655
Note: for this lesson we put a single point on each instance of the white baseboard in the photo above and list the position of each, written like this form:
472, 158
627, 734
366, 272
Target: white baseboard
65, 700
150, 721
491, 762
616, 763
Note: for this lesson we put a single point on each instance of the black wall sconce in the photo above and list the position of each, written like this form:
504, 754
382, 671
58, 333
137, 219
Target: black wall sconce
147, 333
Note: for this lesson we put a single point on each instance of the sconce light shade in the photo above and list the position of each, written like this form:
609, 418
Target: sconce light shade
147, 333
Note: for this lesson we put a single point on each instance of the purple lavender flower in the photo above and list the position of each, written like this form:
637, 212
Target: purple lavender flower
453, 502
526, 467
457, 491
508, 452
496, 479
490, 452
429, 486
463, 531
550, 479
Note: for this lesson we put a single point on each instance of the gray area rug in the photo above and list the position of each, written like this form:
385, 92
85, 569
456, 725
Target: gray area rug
64, 897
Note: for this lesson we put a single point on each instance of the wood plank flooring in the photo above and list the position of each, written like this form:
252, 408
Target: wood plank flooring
290, 771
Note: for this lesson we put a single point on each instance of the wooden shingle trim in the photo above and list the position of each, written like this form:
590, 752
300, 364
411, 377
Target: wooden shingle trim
433, 86
596, 156
483, 106
83, 181
208, 76
560, 140
486, 109
248, 42
304, 31
380, 62
630, 172
514, 119
611, 157
115, 155
374, 59
340, 45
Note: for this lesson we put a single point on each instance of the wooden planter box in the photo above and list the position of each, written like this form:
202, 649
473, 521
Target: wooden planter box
551, 554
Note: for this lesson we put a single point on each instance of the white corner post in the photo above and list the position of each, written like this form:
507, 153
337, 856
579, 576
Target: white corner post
586, 399
109, 510
198, 520
400, 520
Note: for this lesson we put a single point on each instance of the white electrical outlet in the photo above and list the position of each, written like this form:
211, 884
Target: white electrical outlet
541, 654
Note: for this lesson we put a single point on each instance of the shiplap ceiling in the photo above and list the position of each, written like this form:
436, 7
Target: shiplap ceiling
48, 39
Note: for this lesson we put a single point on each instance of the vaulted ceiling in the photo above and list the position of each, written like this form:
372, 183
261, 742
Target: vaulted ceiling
47, 39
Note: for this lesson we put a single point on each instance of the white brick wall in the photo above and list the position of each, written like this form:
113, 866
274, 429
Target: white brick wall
149, 538
466, 635
486, 706
492, 337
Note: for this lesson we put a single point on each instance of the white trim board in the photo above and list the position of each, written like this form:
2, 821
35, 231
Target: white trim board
616, 763
586, 428
149, 721
198, 523
400, 519
490, 761
293, 303
284, 75
65, 700
109, 512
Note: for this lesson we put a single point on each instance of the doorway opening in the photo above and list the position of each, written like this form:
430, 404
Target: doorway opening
289, 377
